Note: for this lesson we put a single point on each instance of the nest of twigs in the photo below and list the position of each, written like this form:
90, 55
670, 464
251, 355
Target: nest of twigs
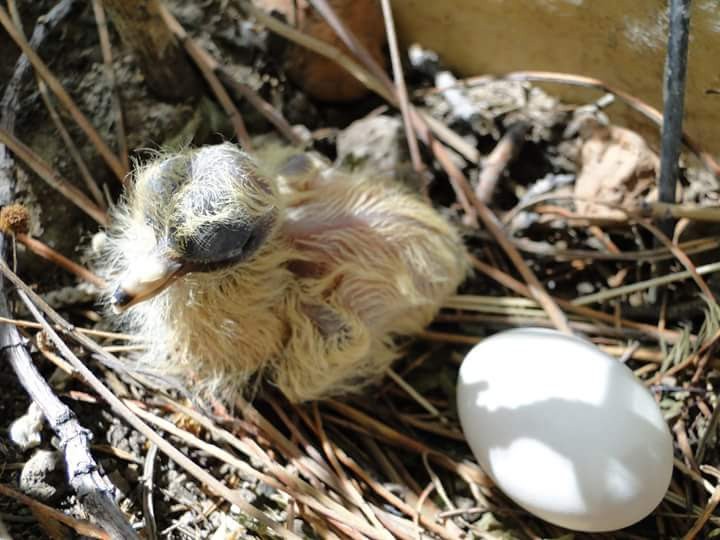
558, 238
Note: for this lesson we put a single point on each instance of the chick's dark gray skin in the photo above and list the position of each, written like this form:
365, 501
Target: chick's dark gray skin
233, 266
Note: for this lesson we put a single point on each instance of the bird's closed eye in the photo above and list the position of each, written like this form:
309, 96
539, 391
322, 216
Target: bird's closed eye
213, 243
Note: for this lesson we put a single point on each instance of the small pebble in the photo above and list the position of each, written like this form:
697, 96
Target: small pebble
42, 477
25, 431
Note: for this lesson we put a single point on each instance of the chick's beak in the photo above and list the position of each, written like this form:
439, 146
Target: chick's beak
144, 279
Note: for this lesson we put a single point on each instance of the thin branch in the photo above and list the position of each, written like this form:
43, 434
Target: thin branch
322, 48
393, 499
367, 424
708, 512
87, 331
166, 68
364, 75
93, 489
352, 42
349, 490
457, 178
10, 104
302, 491
72, 148
682, 257
535, 287
544, 249
515, 285
424, 403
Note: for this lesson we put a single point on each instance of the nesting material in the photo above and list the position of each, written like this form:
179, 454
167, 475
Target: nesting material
289, 269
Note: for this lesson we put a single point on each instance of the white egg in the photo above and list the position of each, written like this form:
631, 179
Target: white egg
564, 430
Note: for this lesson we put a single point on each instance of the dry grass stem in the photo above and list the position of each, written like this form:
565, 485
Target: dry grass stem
349, 489
609, 294
72, 148
352, 42
514, 285
537, 291
424, 403
87, 331
318, 46
55, 117
379, 467
302, 491
106, 49
498, 160
380, 85
48, 253
204, 62
708, 512
400, 88
273, 115
682, 257
471, 473
392, 499
650, 255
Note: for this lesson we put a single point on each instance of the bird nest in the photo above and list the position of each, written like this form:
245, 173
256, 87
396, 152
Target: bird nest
559, 213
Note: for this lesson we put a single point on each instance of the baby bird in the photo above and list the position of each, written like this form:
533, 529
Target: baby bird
235, 267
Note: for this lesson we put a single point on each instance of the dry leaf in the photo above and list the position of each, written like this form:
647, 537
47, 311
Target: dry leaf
617, 167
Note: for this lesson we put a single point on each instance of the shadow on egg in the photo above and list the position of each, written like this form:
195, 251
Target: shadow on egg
567, 459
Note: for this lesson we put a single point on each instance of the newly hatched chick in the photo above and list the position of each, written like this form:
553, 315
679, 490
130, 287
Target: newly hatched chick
233, 267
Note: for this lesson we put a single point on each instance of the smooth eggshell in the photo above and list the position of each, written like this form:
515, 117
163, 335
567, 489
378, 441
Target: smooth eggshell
566, 431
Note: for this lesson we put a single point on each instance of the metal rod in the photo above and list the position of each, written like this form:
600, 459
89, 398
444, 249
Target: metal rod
674, 96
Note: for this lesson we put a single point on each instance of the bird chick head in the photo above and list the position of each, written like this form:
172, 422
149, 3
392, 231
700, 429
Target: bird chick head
196, 211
